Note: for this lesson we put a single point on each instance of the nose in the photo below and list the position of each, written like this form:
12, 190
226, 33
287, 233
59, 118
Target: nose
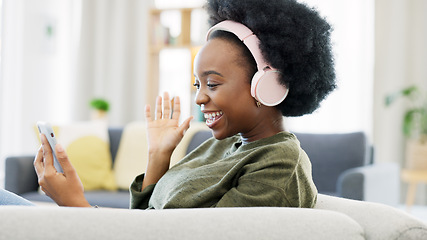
201, 97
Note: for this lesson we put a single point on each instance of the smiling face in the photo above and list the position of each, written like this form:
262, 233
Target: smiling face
223, 92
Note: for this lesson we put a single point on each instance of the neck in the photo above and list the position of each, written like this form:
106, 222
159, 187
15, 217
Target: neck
264, 129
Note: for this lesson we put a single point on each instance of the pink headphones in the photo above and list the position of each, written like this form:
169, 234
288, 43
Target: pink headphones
265, 86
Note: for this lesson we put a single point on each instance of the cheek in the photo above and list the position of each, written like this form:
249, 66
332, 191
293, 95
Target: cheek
242, 103
242, 85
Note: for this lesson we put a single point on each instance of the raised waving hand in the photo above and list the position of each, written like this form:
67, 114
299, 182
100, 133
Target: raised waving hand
164, 134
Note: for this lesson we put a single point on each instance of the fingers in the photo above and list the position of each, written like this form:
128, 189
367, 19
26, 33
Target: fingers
47, 155
158, 108
62, 157
38, 162
166, 106
148, 113
176, 108
163, 107
185, 125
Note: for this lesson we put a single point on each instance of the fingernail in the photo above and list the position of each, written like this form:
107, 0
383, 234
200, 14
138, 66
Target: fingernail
59, 148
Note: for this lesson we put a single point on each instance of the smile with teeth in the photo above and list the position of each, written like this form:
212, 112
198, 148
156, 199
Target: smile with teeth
212, 117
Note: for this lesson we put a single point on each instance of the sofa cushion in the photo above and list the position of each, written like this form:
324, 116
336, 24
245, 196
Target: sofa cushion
131, 158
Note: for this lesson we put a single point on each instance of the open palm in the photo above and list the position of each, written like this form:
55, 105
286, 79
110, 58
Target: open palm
164, 132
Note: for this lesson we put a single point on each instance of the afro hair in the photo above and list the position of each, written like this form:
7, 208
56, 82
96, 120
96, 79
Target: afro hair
294, 39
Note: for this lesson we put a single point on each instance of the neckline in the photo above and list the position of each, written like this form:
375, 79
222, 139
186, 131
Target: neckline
239, 146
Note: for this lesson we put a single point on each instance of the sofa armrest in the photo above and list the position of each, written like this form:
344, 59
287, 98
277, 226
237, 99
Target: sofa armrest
20, 176
379, 221
373, 183
199, 223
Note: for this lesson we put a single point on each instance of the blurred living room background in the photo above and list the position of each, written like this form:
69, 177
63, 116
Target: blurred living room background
58, 55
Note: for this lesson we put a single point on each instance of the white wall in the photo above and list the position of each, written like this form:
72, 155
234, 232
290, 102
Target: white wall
53, 76
36, 68
349, 107
400, 60
112, 59
47, 59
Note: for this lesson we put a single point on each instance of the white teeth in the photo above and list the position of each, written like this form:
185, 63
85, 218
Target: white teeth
213, 115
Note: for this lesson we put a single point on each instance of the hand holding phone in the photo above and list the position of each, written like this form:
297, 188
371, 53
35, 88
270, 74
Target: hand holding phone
46, 129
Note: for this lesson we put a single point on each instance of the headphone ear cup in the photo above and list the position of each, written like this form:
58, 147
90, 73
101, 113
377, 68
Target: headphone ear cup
267, 89
255, 79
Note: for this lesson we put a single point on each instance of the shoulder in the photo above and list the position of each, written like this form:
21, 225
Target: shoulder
281, 152
283, 144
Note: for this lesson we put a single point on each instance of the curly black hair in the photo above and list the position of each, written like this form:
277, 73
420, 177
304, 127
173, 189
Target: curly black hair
294, 39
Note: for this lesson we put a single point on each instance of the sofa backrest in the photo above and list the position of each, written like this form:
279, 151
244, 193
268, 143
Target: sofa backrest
197, 139
114, 133
332, 154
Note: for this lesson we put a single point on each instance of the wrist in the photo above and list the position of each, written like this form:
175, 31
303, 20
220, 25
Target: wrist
81, 202
156, 168
159, 158
158, 152
85, 204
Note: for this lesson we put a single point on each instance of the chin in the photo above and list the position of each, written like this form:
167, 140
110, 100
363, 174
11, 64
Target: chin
219, 135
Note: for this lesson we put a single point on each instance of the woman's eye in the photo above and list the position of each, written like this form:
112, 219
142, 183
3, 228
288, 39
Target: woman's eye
211, 85
197, 85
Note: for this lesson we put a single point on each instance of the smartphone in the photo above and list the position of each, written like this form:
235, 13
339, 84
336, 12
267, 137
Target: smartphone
47, 130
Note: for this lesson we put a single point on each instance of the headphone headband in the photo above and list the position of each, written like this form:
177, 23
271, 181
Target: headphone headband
265, 85
246, 36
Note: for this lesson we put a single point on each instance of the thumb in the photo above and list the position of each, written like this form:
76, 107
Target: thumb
62, 157
185, 125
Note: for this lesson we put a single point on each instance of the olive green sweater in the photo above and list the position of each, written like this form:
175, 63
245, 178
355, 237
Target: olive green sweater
273, 171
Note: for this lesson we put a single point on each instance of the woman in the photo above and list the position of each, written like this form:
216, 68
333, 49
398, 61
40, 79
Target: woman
252, 160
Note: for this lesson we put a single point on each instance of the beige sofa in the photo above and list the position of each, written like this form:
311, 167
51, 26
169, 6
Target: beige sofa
332, 218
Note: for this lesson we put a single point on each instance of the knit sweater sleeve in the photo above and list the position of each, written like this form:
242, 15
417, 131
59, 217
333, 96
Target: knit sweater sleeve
140, 199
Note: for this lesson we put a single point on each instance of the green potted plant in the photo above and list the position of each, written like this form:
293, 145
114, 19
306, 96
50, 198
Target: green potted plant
100, 108
414, 125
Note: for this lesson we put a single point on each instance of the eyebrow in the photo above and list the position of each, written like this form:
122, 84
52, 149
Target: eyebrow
204, 74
